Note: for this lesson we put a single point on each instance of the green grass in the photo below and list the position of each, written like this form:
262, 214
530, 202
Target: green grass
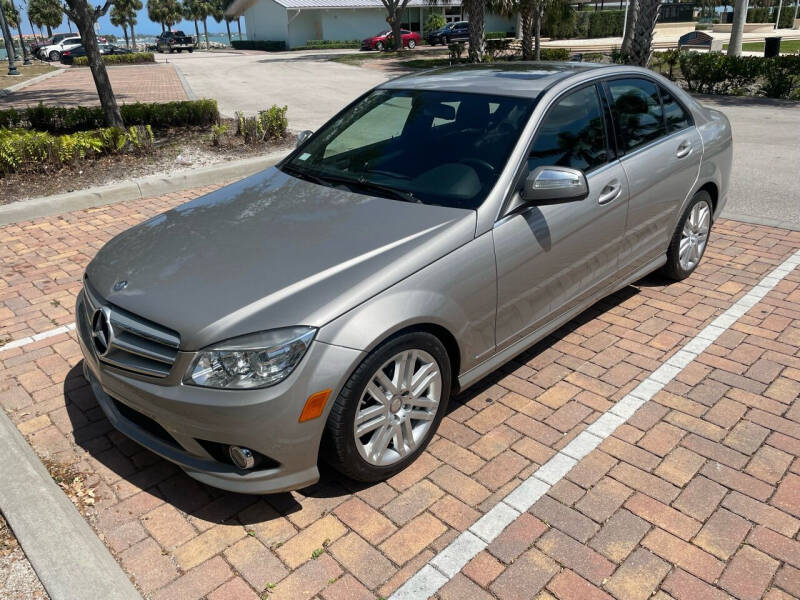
361, 57
787, 46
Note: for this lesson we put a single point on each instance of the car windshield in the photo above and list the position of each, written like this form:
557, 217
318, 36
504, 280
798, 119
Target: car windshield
444, 148
179, 33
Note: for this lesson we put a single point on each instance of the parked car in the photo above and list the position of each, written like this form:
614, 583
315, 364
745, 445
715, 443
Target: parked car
69, 56
385, 39
52, 52
328, 307
452, 32
54, 39
174, 41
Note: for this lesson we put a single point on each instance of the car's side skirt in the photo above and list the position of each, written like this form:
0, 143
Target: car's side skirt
480, 371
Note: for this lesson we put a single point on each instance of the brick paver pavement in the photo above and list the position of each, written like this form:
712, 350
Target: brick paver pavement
696, 496
75, 86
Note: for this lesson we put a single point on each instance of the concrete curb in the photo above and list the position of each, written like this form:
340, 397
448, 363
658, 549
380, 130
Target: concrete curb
187, 89
68, 557
734, 216
22, 84
136, 189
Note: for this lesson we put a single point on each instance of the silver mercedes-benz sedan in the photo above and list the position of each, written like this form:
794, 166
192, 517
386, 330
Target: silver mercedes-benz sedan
328, 308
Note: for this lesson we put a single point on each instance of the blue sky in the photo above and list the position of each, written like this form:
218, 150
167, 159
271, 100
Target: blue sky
144, 26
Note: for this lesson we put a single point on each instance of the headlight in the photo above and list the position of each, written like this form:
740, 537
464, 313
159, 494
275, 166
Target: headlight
251, 361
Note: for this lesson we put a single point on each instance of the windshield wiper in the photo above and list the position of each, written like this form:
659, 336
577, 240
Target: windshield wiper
362, 182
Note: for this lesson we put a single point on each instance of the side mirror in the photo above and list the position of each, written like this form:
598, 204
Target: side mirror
555, 184
303, 136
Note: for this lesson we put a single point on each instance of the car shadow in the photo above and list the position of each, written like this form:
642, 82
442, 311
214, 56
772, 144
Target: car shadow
124, 463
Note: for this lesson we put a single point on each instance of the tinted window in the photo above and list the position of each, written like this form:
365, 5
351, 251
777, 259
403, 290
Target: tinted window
677, 118
445, 148
572, 134
637, 111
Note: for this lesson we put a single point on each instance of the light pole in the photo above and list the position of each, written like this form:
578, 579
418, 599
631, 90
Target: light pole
12, 70
778, 19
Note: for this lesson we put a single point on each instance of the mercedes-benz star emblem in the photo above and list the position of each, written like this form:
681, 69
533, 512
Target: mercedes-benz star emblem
102, 332
120, 285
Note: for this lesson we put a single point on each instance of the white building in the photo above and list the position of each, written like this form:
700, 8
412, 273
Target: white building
297, 21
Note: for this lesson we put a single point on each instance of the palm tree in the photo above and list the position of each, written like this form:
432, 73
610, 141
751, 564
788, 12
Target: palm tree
737, 29
205, 9
118, 19
45, 13
155, 11
190, 13
476, 9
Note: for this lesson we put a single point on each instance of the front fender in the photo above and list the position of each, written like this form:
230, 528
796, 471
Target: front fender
457, 292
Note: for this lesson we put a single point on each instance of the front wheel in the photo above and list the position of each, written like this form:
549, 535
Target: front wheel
389, 409
412, 44
54, 56
379, 46
191, 50
690, 238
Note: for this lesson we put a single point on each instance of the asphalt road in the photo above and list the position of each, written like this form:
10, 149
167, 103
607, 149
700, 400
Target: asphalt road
766, 132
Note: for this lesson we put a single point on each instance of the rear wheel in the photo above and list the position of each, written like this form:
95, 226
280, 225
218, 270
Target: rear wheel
690, 238
412, 44
389, 409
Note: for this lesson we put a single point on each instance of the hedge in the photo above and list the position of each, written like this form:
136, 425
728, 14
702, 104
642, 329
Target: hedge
265, 45
59, 119
763, 14
134, 58
22, 149
498, 35
717, 73
330, 44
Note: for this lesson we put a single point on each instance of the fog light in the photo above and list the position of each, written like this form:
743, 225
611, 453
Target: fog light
242, 457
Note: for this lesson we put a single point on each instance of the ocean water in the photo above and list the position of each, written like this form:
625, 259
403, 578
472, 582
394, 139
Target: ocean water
217, 37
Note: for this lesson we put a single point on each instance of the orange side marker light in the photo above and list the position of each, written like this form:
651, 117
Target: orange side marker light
314, 405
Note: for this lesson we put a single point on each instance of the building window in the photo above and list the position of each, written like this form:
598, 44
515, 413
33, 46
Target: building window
452, 14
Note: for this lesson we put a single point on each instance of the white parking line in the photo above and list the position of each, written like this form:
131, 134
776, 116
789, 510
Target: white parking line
447, 563
36, 337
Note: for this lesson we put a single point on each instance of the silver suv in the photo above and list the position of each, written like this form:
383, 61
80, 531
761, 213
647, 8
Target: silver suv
432, 230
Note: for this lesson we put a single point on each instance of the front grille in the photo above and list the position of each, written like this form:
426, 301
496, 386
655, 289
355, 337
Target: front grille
136, 344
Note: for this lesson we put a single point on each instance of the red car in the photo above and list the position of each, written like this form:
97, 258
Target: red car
384, 40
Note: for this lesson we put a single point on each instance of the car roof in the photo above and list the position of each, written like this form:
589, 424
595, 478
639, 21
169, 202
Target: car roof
525, 79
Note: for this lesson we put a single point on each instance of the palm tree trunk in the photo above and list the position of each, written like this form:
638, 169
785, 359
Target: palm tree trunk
239, 25
133, 38
526, 18
197, 33
9, 42
33, 31
642, 42
630, 23
26, 58
228, 27
205, 32
537, 31
739, 19
125, 33
477, 43
49, 32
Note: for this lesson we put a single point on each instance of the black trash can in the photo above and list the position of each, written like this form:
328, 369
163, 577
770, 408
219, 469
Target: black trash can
772, 47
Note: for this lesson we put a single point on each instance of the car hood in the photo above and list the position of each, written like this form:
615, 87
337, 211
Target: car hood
270, 251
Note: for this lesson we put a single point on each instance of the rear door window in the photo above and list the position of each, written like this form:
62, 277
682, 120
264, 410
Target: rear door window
676, 116
637, 110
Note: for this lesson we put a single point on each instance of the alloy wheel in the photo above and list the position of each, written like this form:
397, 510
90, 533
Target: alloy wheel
695, 235
397, 407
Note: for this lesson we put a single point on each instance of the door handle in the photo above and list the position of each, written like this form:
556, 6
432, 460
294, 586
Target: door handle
610, 192
685, 149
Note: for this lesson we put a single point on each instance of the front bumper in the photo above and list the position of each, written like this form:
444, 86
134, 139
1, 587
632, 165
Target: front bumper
186, 424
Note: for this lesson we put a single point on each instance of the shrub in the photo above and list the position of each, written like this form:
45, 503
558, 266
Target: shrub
559, 21
605, 23
456, 51
498, 35
59, 119
717, 73
22, 149
265, 45
217, 133
554, 53
330, 44
134, 58
273, 121
434, 21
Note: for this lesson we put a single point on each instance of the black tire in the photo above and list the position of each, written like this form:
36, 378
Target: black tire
338, 442
191, 50
673, 268
411, 44
180, 50
54, 56
379, 46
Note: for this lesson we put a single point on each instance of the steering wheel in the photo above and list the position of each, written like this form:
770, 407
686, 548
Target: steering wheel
478, 162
